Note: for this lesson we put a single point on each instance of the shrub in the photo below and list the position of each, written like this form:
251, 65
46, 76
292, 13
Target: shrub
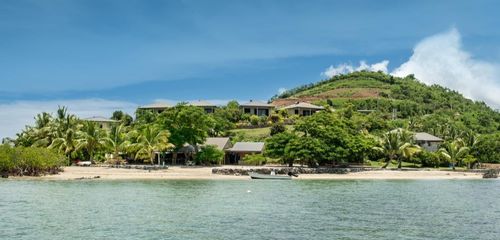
209, 155
254, 159
30, 161
254, 120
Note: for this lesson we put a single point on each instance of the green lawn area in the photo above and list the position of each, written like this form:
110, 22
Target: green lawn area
393, 164
254, 134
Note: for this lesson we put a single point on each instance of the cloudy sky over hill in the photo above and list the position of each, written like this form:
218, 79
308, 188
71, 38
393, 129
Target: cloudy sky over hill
96, 56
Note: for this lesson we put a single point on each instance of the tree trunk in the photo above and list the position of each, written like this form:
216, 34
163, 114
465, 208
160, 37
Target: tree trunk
387, 163
399, 163
174, 157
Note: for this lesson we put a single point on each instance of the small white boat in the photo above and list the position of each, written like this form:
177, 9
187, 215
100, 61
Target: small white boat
268, 176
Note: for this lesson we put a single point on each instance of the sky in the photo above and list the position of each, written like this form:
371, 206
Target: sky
95, 56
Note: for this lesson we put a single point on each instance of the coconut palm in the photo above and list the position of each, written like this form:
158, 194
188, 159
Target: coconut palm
151, 139
67, 143
90, 138
397, 144
454, 151
117, 140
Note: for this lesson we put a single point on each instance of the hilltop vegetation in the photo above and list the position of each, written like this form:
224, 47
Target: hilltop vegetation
429, 108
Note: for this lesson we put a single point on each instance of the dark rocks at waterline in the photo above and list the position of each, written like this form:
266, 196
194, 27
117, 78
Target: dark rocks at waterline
4, 175
491, 173
285, 170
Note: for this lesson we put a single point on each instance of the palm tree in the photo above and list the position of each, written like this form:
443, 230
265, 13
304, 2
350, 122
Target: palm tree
397, 144
151, 139
454, 151
91, 138
117, 140
67, 143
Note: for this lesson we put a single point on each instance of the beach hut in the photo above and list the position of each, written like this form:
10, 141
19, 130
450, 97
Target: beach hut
235, 154
428, 141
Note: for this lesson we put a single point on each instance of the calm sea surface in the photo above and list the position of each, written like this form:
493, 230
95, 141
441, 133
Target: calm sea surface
443, 209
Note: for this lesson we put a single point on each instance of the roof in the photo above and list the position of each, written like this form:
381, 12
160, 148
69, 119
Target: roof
157, 105
100, 119
201, 103
247, 147
253, 103
219, 142
423, 136
304, 105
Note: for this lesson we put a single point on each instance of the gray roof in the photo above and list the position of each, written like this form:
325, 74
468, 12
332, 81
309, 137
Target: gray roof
100, 119
253, 103
423, 136
247, 147
157, 105
201, 103
219, 142
304, 105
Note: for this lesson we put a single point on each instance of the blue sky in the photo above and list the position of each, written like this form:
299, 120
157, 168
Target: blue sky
140, 51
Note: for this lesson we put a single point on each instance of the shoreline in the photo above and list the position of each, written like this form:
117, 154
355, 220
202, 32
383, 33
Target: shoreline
205, 173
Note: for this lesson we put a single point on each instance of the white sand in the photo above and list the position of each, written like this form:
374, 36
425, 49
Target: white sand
205, 173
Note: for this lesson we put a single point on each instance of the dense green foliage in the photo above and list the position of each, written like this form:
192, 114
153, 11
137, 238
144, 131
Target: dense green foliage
368, 116
430, 107
209, 155
29, 161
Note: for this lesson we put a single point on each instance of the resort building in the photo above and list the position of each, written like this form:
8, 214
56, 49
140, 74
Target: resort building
102, 122
428, 141
157, 107
302, 109
221, 143
235, 154
207, 106
258, 108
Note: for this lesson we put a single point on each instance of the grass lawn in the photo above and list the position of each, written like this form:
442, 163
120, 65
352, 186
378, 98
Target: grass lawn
393, 164
254, 134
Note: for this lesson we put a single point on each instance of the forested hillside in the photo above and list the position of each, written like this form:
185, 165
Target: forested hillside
436, 109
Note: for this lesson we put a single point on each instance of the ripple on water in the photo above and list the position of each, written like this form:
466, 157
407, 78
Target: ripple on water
272, 210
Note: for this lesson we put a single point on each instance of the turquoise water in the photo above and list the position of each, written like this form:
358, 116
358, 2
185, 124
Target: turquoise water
444, 209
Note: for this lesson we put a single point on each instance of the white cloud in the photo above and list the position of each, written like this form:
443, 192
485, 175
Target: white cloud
348, 68
16, 115
441, 59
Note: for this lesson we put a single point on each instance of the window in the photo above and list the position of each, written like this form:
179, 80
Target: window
297, 111
247, 110
263, 112
306, 112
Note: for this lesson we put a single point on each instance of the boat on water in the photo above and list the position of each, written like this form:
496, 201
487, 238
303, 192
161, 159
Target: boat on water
268, 176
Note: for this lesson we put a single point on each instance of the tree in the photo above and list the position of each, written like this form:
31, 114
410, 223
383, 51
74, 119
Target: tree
186, 124
454, 151
306, 150
91, 139
276, 145
152, 139
66, 144
209, 155
486, 150
397, 144
124, 118
117, 140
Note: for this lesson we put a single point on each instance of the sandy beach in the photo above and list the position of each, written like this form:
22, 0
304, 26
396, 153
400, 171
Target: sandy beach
205, 173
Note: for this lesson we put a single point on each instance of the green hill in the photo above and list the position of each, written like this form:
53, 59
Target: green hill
407, 96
